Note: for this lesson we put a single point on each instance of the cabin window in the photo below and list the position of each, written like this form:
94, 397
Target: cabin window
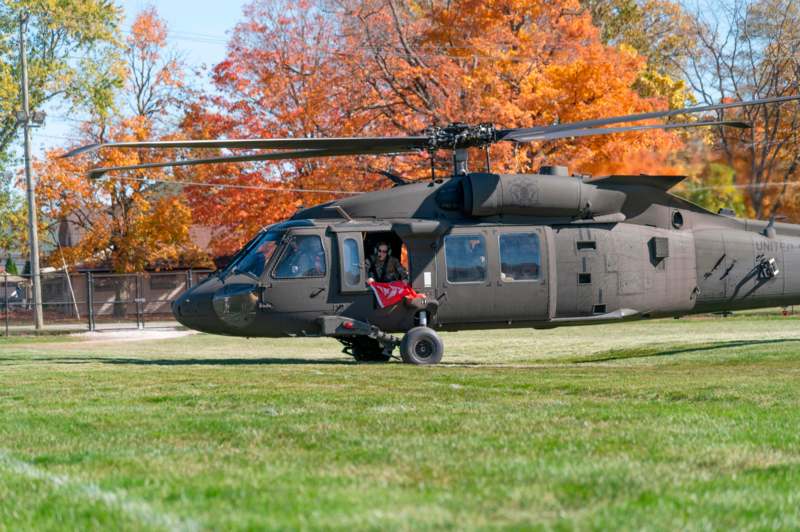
465, 257
351, 262
519, 257
304, 256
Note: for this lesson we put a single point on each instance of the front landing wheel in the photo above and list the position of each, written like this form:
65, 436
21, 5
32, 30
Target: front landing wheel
421, 346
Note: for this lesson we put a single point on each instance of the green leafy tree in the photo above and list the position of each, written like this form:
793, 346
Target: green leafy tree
11, 216
656, 30
714, 189
72, 54
11, 267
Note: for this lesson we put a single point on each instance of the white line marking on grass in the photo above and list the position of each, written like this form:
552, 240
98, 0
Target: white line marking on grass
134, 335
92, 492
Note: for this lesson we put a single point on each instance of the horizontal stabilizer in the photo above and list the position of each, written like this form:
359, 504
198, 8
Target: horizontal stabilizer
662, 182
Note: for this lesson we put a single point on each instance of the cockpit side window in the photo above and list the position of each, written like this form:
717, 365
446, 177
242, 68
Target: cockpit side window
304, 257
255, 260
352, 262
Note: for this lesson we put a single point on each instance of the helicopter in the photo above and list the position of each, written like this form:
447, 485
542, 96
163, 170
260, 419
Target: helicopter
485, 250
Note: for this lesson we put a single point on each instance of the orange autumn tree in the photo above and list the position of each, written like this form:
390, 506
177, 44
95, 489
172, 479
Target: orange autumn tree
392, 67
515, 63
141, 220
281, 79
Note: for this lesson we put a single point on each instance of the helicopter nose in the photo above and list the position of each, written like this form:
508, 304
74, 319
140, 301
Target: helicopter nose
195, 310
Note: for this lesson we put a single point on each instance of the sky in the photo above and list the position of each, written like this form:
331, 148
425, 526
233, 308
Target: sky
198, 29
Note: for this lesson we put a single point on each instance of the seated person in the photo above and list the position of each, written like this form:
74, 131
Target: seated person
383, 268
304, 258
476, 259
468, 260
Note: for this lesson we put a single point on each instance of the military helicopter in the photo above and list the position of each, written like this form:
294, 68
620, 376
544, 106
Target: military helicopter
486, 250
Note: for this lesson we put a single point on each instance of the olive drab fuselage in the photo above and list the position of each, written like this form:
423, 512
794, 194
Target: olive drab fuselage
608, 249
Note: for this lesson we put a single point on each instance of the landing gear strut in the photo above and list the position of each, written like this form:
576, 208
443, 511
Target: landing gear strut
366, 343
362, 341
366, 349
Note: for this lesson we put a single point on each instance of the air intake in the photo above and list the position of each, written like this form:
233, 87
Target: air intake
554, 170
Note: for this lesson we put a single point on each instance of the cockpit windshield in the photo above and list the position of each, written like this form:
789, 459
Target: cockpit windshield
258, 253
254, 256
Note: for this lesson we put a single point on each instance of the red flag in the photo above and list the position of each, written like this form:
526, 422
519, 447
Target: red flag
389, 294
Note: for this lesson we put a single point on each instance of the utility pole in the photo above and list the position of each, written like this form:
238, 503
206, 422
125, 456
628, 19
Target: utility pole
32, 223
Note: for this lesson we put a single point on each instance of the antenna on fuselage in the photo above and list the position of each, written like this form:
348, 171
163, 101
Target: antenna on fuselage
769, 230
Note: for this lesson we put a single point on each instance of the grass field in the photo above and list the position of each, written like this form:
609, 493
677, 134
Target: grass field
690, 424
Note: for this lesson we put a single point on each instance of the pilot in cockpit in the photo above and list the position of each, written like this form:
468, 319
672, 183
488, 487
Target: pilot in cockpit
304, 258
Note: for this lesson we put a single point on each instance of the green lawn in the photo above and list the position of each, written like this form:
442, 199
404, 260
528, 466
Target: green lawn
690, 424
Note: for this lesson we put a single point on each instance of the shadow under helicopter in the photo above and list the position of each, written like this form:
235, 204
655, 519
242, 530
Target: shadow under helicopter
182, 361
265, 361
612, 356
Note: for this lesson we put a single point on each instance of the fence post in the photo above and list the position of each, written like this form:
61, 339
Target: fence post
5, 297
140, 300
90, 299
189, 280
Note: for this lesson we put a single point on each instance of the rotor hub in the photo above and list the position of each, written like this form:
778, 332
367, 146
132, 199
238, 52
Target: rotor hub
459, 136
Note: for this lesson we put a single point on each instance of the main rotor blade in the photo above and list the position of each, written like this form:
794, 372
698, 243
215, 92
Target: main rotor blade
337, 143
611, 130
450, 137
525, 134
96, 173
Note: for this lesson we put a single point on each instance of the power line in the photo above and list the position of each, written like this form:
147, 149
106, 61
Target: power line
226, 185
389, 51
355, 193
746, 186
58, 137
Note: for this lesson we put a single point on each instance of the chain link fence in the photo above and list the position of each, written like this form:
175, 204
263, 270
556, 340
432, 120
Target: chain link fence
93, 301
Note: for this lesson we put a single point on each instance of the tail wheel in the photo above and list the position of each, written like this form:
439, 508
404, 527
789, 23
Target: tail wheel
421, 346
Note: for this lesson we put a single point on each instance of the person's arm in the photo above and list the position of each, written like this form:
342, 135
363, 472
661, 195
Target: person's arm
368, 269
401, 271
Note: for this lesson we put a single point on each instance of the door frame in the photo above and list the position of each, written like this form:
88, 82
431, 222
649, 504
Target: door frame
344, 286
544, 280
482, 291
321, 283
491, 235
